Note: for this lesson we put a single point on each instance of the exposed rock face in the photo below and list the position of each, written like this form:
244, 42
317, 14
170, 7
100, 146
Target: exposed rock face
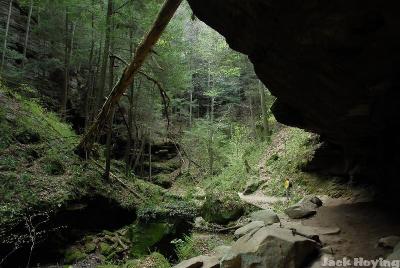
17, 30
48, 83
331, 65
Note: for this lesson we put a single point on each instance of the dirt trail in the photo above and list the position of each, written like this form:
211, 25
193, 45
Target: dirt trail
258, 198
362, 224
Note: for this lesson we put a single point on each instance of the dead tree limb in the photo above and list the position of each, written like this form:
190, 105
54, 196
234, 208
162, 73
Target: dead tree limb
163, 93
164, 97
166, 13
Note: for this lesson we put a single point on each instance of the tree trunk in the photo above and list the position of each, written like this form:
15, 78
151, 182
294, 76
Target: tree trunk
90, 82
139, 155
150, 167
165, 15
106, 52
191, 108
28, 26
3, 58
264, 111
109, 146
64, 94
130, 114
69, 50
253, 123
211, 141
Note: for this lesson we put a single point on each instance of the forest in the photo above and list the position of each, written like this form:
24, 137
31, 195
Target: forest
188, 134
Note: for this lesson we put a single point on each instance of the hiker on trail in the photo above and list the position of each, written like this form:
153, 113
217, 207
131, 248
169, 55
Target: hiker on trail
288, 187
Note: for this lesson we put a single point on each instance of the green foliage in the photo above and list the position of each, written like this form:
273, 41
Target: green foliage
292, 148
73, 255
200, 135
199, 244
233, 146
187, 248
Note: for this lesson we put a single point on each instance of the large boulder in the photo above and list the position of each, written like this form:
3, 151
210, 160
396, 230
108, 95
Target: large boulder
389, 241
253, 185
222, 208
304, 208
267, 216
270, 247
254, 225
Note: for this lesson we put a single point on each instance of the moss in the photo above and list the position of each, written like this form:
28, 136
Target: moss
163, 180
105, 249
90, 247
144, 236
73, 255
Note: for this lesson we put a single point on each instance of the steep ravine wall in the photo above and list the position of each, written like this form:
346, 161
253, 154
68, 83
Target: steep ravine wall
49, 81
331, 65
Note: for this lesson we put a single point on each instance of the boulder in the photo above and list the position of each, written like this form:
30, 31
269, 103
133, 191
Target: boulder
222, 208
252, 186
267, 216
389, 241
200, 262
270, 247
254, 225
200, 223
304, 208
221, 251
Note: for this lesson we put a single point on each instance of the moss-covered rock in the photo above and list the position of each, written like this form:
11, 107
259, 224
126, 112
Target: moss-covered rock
144, 236
74, 254
222, 208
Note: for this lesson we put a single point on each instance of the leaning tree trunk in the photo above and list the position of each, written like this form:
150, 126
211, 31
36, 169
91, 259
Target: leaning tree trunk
167, 12
3, 58
28, 27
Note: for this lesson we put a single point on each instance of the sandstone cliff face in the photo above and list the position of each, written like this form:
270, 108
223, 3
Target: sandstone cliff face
332, 66
48, 81
17, 29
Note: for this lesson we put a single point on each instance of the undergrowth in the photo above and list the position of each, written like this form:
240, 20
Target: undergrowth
292, 150
38, 169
